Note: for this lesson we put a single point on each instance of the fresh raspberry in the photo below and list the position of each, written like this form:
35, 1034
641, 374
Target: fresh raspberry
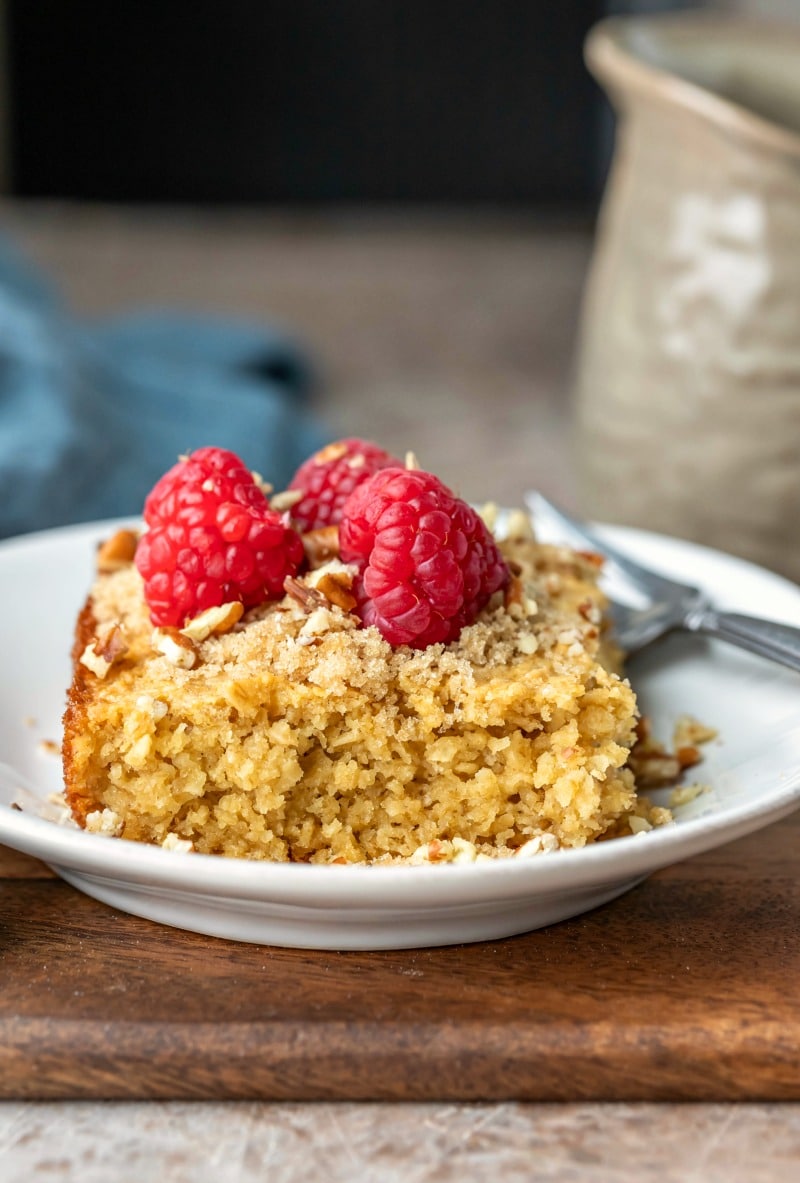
329, 477
212, 539
427, 563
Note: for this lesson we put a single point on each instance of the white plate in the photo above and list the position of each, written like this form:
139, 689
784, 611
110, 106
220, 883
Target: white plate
754, 771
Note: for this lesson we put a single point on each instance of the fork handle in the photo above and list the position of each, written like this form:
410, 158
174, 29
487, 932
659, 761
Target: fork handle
779, 642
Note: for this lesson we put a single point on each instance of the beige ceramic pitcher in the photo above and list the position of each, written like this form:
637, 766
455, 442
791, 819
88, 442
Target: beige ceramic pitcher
688, 375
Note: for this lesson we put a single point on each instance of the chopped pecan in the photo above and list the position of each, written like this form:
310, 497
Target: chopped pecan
436, 852
518, 525
214, 621
591, 557
178, 649
514, 591
689, 732
330, 452
321, 545
307, 597
108, 647
335, 586
642, 728
285, 500
111, 645
264, 486
688, 756
590, 612
653, 770
117, 551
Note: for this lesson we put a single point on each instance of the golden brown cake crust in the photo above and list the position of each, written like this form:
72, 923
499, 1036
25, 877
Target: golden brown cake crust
75, 716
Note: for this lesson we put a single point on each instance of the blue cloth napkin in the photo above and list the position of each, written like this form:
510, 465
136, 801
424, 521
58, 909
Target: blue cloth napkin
91, 414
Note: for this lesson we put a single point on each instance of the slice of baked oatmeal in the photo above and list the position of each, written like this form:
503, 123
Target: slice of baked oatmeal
394, 685
298, 735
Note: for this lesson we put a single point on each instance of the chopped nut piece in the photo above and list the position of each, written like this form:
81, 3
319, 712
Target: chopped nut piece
112, 644
689, 732
104, 821
589, 556
590, 611
539, 844
108, 647
488, 513
464, 851
346, 571
173, 842
688, 756
318, 622
567, 636
495, 602
330, 452
519, 525
514, 592
264, 486
430, 852
336, 588
286, 500
654, 766
357, 461
177, 649
683, 794
412, 464
214, 621
117, 551
639, 825
652, 771
307, 597
94, 662
321, 545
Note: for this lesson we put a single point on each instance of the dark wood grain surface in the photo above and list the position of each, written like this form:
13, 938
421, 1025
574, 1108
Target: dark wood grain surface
686, 988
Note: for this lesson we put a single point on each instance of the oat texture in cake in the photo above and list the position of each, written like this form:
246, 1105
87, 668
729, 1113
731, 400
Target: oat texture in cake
292, 730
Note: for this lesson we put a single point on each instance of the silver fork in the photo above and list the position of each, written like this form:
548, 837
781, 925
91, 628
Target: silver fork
646, 605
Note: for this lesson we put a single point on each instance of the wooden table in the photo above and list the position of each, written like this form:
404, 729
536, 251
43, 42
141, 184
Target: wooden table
684, 989
457, 331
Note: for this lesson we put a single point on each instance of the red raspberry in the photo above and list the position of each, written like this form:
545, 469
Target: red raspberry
212, 539
428, 564
329, 477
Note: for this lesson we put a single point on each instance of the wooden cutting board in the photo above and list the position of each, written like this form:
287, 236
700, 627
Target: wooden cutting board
686, 988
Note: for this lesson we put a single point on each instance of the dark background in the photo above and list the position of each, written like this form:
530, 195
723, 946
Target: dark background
297, 101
